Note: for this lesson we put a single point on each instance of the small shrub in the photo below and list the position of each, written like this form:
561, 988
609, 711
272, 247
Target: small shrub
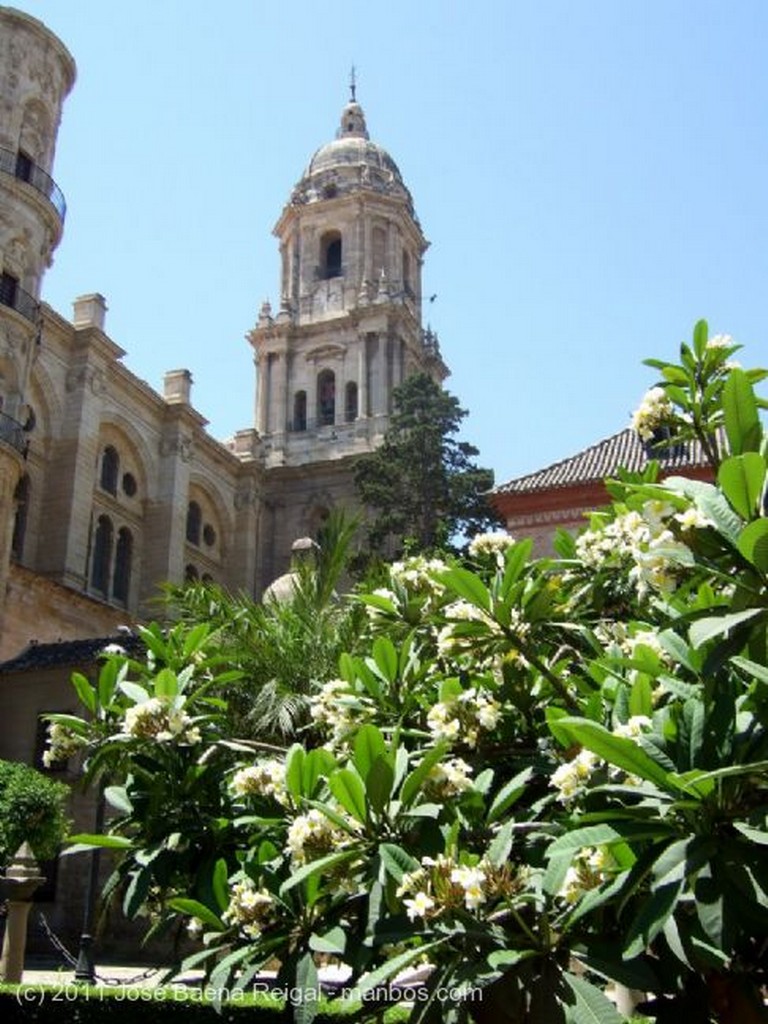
31, 809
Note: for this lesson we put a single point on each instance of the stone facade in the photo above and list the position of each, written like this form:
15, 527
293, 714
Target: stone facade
107, 488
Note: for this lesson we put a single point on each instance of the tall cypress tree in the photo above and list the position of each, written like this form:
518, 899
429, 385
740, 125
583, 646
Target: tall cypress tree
422, 485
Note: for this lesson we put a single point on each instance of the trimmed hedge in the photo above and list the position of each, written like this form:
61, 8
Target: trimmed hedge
31, 809
70, 1003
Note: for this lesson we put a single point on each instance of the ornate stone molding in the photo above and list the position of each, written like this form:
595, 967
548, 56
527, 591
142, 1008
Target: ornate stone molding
183, 446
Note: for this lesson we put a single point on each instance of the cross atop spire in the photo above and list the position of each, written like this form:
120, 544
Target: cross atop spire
353, 84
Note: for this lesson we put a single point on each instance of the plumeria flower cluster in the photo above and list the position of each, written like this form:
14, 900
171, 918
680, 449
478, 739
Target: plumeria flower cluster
491, 547
250, 909
62, 744
162, 719
265, 778
463, 717
449, 778
572, 778
313, 835
655, 411
589, 869
340, 710
644, 540
442, 884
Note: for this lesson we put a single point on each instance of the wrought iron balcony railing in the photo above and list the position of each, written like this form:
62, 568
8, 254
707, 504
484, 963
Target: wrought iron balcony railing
23, 168
12, 295
13, 433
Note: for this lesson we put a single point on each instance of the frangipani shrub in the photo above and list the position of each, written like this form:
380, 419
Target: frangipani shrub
538, 777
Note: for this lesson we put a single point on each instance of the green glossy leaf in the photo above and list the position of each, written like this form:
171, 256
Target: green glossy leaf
85, 692
700, 338
117, 797
193, 908
755, 835
136, 693
318, 763
508, 795
501, 845
294, 771
333, 941
469, 586
704, 630
654, 912
219, 886
753, 544
166, 683
416, 779
306, 993
385, 658
592, 1005
396, 861
617, 750
317, 867
369, 745
740, 415
393, 967
742, 478
641, 696
107, 682
87, 839
347, 787
379, 783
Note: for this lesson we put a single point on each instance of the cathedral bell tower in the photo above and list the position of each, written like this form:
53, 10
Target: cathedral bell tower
348, 329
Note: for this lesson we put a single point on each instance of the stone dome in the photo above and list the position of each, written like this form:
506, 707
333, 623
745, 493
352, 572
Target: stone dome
351, 162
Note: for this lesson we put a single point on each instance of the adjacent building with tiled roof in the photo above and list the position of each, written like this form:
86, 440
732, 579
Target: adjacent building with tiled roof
561, 495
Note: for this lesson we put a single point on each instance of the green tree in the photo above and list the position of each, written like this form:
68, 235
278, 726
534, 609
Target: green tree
422, 483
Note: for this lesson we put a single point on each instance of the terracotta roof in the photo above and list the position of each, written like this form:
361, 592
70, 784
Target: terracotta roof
68, 653
602, 460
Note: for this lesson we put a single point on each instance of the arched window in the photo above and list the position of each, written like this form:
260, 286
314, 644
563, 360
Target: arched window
300, 410
326, 398
110, 470
350, 401
330, 254
194, 523
102, 555
21, 497
121, 583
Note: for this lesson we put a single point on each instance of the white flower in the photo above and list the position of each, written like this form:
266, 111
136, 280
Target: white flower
265, 778
312, 835
249, 908
62, 744
634, 727
162, 719
450, 778
692, 518
654, 411
720, 341
491, 545
471, 880
418, 906
571, 778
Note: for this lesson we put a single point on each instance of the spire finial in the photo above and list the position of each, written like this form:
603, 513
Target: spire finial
353, 84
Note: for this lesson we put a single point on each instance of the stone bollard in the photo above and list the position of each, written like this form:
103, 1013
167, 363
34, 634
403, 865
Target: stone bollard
22, 877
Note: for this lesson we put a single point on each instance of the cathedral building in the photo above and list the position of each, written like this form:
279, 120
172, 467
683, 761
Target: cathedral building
108, 488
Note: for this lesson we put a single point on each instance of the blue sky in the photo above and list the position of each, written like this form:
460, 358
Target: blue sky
593, 177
